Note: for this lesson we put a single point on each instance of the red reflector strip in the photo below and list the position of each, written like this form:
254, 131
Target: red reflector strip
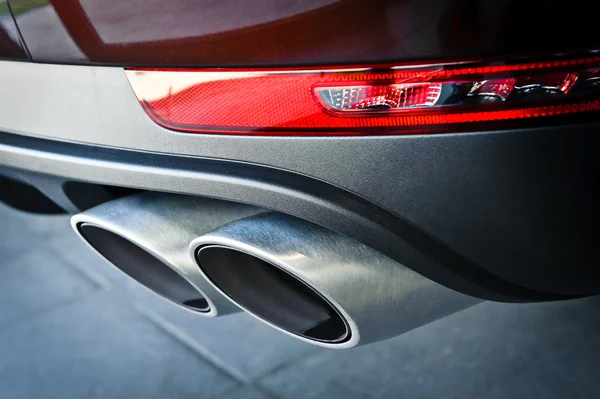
365, 101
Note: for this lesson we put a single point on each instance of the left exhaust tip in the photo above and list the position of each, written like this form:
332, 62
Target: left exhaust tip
146, 236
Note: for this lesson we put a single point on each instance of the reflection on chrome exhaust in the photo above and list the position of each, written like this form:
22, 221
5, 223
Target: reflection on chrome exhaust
318, 285
147, 235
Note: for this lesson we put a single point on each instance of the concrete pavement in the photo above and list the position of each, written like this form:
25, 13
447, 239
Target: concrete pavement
71, 326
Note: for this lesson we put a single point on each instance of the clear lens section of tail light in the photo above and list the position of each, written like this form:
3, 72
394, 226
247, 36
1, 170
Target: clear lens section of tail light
372, 100
391, 96
558, 82
544, 86
497, 89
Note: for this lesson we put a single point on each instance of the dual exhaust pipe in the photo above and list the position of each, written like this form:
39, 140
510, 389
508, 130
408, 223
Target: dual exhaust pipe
215, 257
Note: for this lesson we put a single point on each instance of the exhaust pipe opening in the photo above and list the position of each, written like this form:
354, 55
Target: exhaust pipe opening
272, 294
146, 236
316, 284
144, 267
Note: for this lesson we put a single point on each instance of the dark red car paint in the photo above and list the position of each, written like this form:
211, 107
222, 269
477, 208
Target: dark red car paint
269, 32
10, 45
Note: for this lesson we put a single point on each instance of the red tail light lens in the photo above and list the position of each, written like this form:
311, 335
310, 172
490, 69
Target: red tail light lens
366, 101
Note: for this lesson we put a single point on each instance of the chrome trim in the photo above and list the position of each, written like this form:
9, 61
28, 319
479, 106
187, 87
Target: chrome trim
378, 297
163, 225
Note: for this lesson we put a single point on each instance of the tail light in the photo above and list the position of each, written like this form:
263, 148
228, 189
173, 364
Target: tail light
377, 100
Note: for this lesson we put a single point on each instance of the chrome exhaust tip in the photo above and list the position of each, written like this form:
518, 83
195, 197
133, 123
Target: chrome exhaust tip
318, 285
146, 236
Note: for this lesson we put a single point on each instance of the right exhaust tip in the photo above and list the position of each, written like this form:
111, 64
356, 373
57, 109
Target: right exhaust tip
269, 292
318, 285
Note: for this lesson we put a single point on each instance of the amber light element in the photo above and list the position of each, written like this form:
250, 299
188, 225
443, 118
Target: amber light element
379, 100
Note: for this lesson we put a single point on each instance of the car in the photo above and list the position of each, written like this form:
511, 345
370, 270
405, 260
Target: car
344, 171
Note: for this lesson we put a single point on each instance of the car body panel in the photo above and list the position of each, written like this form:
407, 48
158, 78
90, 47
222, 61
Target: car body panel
272, 32
514, 205
11, 46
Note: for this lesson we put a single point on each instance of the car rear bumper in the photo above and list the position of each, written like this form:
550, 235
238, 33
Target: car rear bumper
505, 215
